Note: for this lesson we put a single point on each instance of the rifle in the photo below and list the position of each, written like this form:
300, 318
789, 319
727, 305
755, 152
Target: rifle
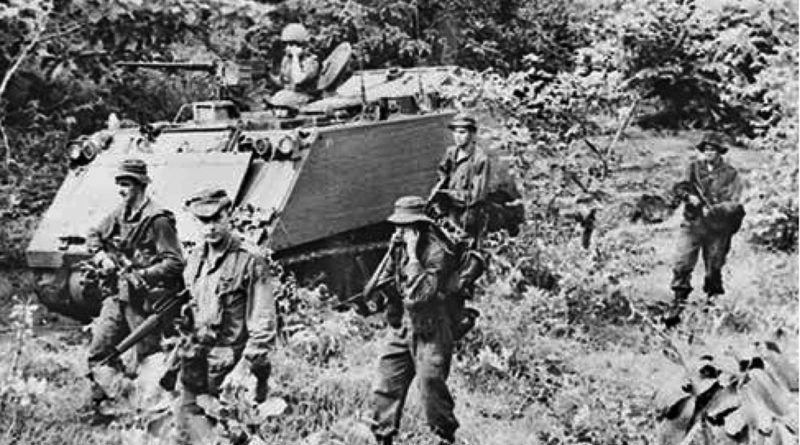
163, 312
435, 190
360, 299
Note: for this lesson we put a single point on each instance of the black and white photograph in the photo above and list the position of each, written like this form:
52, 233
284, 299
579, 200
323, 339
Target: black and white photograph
399, 222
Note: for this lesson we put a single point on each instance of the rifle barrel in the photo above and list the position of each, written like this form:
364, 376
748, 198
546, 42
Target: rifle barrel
148, 326
209, 67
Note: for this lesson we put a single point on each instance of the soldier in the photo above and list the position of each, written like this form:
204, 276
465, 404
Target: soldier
232, 306
712, 213
299, 68
463, 178
425, 325
138, 242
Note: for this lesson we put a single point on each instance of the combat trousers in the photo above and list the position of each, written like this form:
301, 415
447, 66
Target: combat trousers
115, 321
696, 237
405, 356
202, 372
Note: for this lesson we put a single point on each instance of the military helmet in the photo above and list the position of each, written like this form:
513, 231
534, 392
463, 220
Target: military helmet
133, 168
463, 120
408, 210
294, 32
713, 140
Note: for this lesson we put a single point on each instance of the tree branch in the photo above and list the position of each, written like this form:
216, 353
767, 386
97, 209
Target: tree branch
6, 146
35, 40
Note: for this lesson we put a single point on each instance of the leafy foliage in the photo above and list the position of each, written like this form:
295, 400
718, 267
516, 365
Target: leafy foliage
745, 405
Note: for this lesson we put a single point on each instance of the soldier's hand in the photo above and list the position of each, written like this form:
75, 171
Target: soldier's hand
135, 280
411, 238
397, 237
294, 50
205, 336
694, 200
104, 262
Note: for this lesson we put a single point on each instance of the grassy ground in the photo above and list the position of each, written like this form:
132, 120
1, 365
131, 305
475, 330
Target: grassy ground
521, 377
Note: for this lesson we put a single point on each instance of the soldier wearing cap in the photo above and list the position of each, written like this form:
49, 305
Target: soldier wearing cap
299, 68
711, 191
463, 178
138, 241
232, 306
423, 316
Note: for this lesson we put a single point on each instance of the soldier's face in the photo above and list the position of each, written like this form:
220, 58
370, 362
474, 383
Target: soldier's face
462, 136
129, 190
215, 228
710, 155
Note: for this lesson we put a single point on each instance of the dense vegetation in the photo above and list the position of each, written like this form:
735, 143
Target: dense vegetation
597, 100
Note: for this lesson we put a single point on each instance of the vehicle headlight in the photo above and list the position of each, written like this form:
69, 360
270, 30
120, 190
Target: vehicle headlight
74, 152
263, 147
89, 150
287, 145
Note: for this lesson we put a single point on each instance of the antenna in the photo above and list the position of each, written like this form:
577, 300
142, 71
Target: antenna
361, 75
419, 71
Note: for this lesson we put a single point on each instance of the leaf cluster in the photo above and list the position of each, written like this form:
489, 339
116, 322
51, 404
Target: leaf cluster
747, 404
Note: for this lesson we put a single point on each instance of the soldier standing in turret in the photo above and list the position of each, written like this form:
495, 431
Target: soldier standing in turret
463, 178
299, 68
711, 191
139, 242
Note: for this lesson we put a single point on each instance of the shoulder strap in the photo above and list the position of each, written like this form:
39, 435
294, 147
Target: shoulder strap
136, 234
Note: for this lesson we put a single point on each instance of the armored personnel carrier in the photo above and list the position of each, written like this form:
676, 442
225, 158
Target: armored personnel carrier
313, 185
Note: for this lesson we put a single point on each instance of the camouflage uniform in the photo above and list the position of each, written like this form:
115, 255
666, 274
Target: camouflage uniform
707, 228
423, 319
233, 310
148, 239
232, 298
466, 176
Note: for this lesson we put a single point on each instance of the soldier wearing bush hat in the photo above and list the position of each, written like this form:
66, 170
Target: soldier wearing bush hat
137, 242
423, 315
711, 191
135, 169
232, 307
713, 140
463, 178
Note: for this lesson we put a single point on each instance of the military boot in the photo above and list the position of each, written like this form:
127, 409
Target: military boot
673, 315
94, 411
381, 440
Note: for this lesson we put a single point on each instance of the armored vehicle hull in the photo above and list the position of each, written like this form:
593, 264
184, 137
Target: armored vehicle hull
312, 186
336, 180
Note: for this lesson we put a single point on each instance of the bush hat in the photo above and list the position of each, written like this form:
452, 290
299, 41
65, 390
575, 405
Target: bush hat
713, 140
408, 210
208, 202
135, 169
463, 120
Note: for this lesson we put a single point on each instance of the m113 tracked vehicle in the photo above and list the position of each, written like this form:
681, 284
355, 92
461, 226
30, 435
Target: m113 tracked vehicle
313, 185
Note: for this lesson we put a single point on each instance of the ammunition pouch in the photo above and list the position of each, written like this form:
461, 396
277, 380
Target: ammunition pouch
465, 322
194, 367
725, 218
424, 324
471, 267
